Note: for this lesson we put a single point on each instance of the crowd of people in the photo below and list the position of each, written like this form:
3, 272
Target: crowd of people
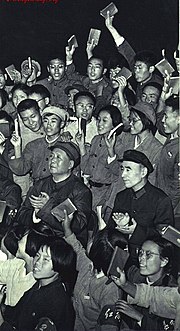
89, 163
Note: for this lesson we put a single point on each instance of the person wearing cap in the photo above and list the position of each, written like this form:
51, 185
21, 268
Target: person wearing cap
35, 156
47, 193
141, 136
30, 75
141, 207
84, 105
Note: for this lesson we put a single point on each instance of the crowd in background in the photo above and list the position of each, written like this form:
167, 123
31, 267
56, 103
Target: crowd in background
88, 163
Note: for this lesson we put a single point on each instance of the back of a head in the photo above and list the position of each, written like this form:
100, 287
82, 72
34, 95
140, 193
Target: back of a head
103, 247
21, 87
39, 89
63, 258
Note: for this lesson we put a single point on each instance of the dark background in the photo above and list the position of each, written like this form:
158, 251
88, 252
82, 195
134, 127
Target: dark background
38, 30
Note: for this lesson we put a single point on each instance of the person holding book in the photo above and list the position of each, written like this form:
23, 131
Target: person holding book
94, 294
98, 162
155, 268
141, 208
50, 192
142, 63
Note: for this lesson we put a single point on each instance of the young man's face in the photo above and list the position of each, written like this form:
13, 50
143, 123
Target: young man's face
59, 162
31, 119
56, 69
84, 107
141, 71
42, 102
132, 175
170, 120
51, 125
17, 97
2, 80
151, 95
95, 69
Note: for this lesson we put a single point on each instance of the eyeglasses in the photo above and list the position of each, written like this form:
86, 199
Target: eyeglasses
89, 106
148, 254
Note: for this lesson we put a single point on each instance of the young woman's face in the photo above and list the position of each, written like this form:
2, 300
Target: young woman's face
17, 97
104, 122
42, 265
150, 261
136, 125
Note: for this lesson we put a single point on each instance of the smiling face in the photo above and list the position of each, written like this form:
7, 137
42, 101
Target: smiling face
95, 69
18, 96
150, 261
52, 125
104, 122
31, 119
43, 266
56, 69
170, 120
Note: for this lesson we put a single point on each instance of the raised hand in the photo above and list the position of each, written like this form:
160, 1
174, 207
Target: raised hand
109, 21
69, 53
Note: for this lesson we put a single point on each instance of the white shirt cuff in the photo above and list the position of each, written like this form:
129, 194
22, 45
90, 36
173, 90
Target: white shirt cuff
111, 159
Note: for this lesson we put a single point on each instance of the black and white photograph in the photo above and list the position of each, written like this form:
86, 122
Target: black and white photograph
89, 165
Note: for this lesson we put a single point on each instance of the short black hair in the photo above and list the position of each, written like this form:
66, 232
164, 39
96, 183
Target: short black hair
103, 247
54, 56
147, 57
99, 57
115, 114
21, 87
173, 101
117, 61
4, 97
27, 104
41, 90
85, 94
154, 84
